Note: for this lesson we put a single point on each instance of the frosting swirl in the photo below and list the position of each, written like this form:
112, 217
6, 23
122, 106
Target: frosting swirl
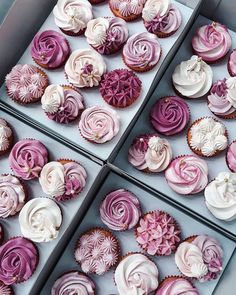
5, 135
176, 286
5, 290
232, 63
127, 8
231, 157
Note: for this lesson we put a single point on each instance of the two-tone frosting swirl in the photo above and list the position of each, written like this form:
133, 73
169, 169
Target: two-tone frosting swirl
127, 8
176, 286
232, 63
231, 157
5, 135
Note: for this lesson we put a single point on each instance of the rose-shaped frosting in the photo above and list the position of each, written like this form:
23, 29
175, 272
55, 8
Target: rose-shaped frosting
212, 42
18, 260
75, 283
120, 88
176, 286
120, 210
158, 233
5, 290
220, 196
98, 124
12, 195
192, 78
62, 104
232, 63
50, 49
187, 175
170, 115
231, 157
72, 15
27, 158
107, 35
40, 220
84, 68
150, 152
136, 275
127, 8
5, 135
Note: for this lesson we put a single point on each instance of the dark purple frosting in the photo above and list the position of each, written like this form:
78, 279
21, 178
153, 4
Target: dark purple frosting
1, 233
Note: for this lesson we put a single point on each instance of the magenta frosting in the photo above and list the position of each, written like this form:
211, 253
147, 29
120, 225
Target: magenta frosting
120, 88
232, 63
50, 49
170, 115
27, 158
176, 286
18, 260
231, 157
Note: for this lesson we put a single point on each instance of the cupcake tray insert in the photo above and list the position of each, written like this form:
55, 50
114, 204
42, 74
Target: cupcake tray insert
105, 284
48, 252
198, 109
92, 97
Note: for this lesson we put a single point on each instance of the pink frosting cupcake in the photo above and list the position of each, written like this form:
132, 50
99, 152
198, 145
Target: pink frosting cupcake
232, 63
231, 156
6, 137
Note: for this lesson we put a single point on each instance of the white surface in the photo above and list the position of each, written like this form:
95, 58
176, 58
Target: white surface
179, 144
105, 284
92, 96
69, 209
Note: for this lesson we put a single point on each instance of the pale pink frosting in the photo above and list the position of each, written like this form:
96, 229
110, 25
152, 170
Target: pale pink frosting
176, 286
231, 157
5, 135
127, 7
232, 63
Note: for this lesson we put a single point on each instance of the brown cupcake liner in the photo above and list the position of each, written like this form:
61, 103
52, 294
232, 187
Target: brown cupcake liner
72, 34
226, 156
129, 18
10, 139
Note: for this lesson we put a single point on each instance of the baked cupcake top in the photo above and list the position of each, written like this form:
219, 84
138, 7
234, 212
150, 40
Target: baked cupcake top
187, 175
176, 285
136, 274
220, 196
27, 158
107, 34
5, 290
72, 15
62, 104
127, 8
231, 157
192, 78
200, 258
232, 63
211, 42
85, 68
170, 115
150, 152
73, 282
12, 195
99, 124
40, 220
5, 135
120, 210
25, 256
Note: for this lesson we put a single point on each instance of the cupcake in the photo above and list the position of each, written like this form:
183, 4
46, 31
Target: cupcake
222, 98
73, 282
72, 16
99, 124
6, 137
62, 104
6, 290
13, 195
187, 175
27, 158
220, 196
232, 63
207, 137
211, 42
50, 49
154, 225
199, 257
126, 9
161, 17
85, 68
107, 34
120, 210
149, 153
26, 84
40, 220
170, 115
136, 274
97, 250
120, 88
192, 78
142, 52
231, 156
63, 179
1, 236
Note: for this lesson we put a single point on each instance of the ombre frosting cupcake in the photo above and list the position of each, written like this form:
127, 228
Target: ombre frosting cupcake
6, 137
126, 9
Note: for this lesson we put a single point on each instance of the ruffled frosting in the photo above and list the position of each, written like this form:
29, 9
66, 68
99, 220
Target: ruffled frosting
127, 8
27, 158
120, 88
231, 157
72, 15
18, 260
158, 233
98, 124
187, 175
177, 286
136, 275
170, 115
212, 42
85, 68
75, 283
120, 210
142, 51
5, 135
192, 78
150, 152
232, 63
107, 35
5, 290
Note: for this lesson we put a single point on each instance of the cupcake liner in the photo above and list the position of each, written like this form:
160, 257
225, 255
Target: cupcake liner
129, 18
72, 34
10, 139
226, 158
